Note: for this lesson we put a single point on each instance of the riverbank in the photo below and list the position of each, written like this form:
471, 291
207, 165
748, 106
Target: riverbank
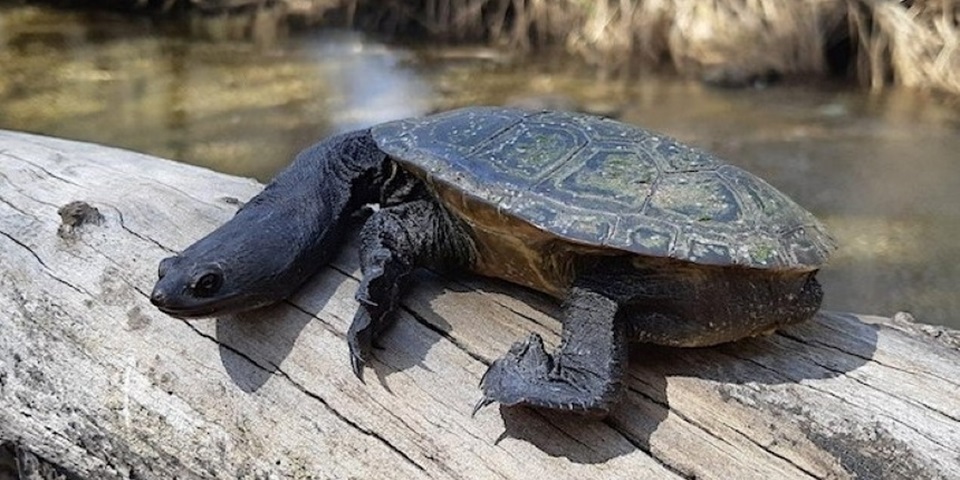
878, 43
731, 42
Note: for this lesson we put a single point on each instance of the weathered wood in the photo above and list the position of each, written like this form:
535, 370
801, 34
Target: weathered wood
97, 382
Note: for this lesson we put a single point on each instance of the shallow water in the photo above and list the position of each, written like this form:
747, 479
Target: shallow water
881, 170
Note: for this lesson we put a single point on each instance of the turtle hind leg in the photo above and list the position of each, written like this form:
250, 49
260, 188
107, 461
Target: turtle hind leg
393, 241
583, 376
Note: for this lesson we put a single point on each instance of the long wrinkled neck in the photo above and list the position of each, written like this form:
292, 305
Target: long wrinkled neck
281, 237
323, 187
292, 228
328, 181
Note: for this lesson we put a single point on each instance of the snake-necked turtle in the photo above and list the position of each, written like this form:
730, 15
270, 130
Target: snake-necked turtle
641, 237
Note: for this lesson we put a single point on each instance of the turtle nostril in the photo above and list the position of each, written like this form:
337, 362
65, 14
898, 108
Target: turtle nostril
157, 298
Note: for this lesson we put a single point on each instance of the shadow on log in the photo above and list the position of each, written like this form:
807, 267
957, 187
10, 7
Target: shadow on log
97, 383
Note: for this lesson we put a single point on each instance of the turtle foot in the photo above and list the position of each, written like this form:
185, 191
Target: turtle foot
511, 376
528, 375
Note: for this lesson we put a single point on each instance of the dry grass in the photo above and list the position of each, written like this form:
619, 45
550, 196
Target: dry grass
917, 46
694, 35
912, 42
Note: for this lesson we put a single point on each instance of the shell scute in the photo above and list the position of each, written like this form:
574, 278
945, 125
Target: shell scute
711, 252
650, 239
680, 158
596, 182
621, 176
700, 197
527, 150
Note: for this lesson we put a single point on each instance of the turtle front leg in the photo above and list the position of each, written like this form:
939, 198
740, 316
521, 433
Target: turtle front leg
394, 241
583, 376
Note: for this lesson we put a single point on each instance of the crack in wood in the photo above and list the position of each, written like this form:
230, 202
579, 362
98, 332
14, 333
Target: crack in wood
129, 230
445, 335
521, 314
41, 167
647, 449
627, 437
24, 192
25, 247
767, 449
353, 424
340, 416
343, 271
18, 210
645, 446
891, 418
894, 395
122, 173
689, 420
817, 342
323, 323
416, 433
74, 337
45, 269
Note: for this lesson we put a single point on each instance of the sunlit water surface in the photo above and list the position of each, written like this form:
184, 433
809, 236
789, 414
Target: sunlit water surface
881, 170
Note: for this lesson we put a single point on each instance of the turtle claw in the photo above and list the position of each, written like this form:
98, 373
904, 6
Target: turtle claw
357, 363
528, 375
360, 341
363, 297
483, 402
516, 375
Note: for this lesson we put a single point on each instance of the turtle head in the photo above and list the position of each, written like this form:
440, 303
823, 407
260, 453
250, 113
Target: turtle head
245, 264
278, 239
191, 289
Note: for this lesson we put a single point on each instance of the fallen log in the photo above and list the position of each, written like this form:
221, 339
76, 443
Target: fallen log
95, 383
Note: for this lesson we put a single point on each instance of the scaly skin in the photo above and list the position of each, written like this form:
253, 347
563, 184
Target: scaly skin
284, 235
281, 237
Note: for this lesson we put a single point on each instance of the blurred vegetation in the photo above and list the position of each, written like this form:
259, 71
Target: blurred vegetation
730, 42
915, 43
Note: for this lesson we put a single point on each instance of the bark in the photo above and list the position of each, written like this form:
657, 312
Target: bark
95, 383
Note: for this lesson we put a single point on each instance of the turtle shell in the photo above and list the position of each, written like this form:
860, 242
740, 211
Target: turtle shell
602, 183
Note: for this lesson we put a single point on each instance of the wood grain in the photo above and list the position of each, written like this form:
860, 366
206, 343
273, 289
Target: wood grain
96, 382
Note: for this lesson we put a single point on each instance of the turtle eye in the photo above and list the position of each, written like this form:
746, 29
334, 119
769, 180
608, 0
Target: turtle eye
207, 285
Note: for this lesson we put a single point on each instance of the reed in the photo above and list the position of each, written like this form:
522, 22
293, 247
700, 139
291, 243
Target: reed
913, 43
916, 44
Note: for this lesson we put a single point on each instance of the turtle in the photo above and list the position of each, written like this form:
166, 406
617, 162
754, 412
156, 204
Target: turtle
641, 238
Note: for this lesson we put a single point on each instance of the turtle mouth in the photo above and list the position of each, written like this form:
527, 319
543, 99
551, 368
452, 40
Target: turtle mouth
189, 313
206, 309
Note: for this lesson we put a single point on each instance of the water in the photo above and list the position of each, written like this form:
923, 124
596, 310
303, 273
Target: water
880, 170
